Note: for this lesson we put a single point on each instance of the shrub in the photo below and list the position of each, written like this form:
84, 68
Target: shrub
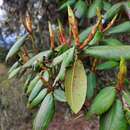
68, 71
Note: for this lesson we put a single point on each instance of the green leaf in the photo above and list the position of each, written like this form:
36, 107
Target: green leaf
91, 84
107, 65
68, 58
35, 90
61, 49
121, 28
126, 97
14, 66
32, 84
106, 5
84, 34
114, 119
127, 116
103, 101
112, 42
57, 60
98, 36
27, 82
65, 4
38, 99
15, 48
76, 86
127, 8
115, 9
46, 76
14, 72
40, 57
45, 113
59, 95
109, 52
80, 9
93, 8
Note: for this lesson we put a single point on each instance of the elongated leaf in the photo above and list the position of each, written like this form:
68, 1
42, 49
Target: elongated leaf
121, 28
106, 5
46, 76
91, 85
93, 8
126, 97
109, 52
14, 72
14, 66
38, 99
15, 48
84, 34
112, 42
40, 57
32, 84
103, 101
76, 86
35, 91
98, 36
127, 8
107, 65
68, 2
127, 115
60, 58
80, 9
115, 9
27, 82
59, 95
45, 113
66, 62
114, 119
61, 49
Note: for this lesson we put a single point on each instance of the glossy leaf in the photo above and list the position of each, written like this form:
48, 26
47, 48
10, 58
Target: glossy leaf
98, 36
32, 84
107, 65
91, 85
15, 48
115, 9
84, 34
111, 42
27, 82
127, 8
80, 9
14, 66
61, 49
114, 119
45, 113
127, 115
14, 72
66, 62
65, 4
103, 101
39, 57
121, 28
126, 97
106, 5
59, 95
35, 91
57, 60
38, 99
93, 8
76, 86
46, 76
109, 52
